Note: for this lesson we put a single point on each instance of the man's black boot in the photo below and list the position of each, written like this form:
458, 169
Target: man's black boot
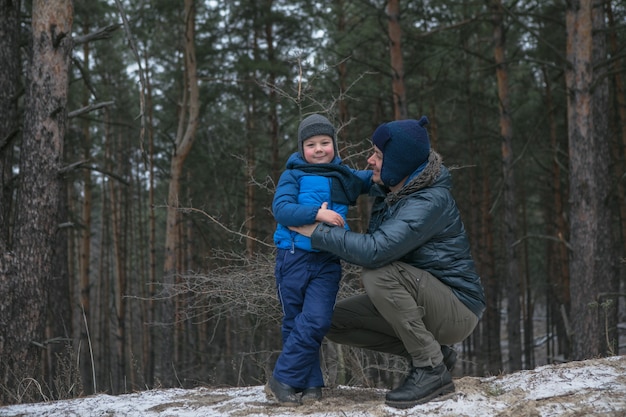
282, 393
420, 386
449, 357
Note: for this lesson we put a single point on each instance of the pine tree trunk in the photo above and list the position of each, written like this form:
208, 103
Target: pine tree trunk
510, 217
251, 127
590, 232
85, 242
119, 274
9, 125
557, 296
23, 291
397, 63
188, 124
619, 146
149, 306
608, 285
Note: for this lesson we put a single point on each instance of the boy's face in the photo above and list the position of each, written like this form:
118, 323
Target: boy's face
318, 149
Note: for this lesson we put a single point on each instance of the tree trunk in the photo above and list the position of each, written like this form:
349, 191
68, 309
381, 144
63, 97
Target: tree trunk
620, 130
85, 242
250, 165
59, 377
9, 124
527, 293
491, 345
119, 272
590, 232
273, 102
23, 290
608, 285
397, 63
558, 270
510, 217
187, 126
149, 306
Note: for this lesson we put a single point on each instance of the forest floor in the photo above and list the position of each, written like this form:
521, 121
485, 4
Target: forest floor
594, 387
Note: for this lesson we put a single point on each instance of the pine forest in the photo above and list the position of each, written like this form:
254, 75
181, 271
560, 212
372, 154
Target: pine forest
141, 143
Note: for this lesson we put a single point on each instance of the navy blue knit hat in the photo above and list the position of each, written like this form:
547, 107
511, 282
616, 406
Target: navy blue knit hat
314, 125
405, 146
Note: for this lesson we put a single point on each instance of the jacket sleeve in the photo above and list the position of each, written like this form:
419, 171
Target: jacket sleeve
414, 223
365, 176
285, 207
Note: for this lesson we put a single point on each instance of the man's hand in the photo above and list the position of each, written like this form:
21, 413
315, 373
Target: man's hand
325, 215
306, 230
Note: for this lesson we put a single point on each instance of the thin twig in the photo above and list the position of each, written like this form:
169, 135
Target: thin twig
214, 220
93, 368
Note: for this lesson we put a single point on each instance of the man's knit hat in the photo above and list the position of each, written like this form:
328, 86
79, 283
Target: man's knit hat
405, 146
314, 125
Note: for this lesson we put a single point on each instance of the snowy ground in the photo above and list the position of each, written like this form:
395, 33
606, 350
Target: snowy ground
587, 388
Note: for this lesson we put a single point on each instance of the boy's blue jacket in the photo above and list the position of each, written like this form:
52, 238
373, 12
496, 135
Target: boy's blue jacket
303, 187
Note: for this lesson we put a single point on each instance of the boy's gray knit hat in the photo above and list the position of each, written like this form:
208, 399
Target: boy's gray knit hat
314, 125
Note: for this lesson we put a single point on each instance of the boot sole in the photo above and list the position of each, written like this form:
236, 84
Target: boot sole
446, 389
310, 401
272, 397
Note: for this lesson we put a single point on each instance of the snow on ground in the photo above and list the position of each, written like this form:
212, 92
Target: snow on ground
587, 388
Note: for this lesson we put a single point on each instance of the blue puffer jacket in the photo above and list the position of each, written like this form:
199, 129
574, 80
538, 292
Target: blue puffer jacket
303, 187
421, 226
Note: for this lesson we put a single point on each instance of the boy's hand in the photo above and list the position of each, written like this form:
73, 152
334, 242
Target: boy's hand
329, 216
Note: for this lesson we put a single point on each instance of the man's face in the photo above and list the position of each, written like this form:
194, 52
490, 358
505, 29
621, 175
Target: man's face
376, 161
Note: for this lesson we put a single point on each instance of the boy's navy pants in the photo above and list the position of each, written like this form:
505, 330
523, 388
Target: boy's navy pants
307, 284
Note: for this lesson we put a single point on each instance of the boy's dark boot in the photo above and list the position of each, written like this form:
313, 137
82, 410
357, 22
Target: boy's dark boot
449, 357
282, 393
420, 386
311, 395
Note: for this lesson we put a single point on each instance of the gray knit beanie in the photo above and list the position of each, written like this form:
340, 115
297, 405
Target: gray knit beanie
313, 125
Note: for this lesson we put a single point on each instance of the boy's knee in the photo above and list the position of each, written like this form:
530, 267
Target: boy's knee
318, 324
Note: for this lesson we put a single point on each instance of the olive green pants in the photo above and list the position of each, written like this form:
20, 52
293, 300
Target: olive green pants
406, 311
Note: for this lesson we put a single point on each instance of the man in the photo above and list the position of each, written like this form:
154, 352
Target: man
422, 289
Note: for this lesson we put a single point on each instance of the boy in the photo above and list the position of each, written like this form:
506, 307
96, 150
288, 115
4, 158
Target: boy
314, 187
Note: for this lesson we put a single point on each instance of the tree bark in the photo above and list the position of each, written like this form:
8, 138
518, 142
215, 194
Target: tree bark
619, 146
558, 295
119, 270
273, 100
23, 290
590, 232
397, 63
9, 124
84, 248
149, 289
510, 217
187, 126
608, 285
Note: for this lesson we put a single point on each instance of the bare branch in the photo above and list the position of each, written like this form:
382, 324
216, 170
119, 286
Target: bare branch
558, 239
214, 220
89, 108
101, 33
